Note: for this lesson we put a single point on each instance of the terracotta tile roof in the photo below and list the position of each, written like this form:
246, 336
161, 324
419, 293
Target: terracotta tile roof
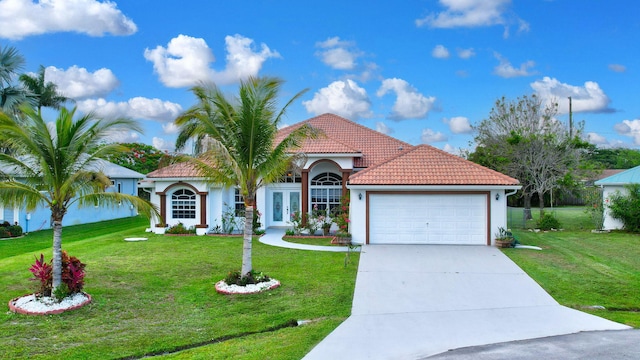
346, 136
179, 170
426, 165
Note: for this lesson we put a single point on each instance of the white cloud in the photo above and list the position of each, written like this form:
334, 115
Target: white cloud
344, 98
617, 68
466, 53
459, 125
22, 18
506, 70
451, 150
185, 61
383, 128
630, 128
440, 52
587, 98
78, 83
163, 144
409, 104
137, 108
473, 13
429, 136
124, 137
170, 128
596, 139
338, 54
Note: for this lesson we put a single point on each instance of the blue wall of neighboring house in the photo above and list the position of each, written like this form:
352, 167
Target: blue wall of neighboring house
41, 218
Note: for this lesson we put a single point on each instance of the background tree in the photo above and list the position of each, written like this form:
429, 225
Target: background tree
11, 63
619, 158
57, 164
139, 157
522, 138
240, 141
43, 93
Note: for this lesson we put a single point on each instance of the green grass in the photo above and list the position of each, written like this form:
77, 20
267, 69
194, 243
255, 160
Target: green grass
158, 295
571, 217
579, 268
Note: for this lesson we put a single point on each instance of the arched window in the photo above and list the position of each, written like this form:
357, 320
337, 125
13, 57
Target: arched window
183, 204
326, 190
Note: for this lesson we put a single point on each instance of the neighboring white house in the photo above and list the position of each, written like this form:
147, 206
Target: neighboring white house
400, 193
612, 184
123, 180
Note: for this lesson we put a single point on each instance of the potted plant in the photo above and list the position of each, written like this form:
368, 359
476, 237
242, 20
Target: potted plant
504, 238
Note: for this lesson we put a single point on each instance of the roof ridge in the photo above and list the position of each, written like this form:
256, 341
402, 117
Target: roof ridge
468, 161
361, 126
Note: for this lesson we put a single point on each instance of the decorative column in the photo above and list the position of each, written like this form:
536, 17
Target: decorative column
305, 195
203, 211
163, 210
345, 179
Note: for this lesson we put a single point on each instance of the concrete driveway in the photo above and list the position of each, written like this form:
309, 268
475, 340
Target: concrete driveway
414, 301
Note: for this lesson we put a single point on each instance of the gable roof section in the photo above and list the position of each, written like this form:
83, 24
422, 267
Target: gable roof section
345, 136
426, 165
630, 176
178, 170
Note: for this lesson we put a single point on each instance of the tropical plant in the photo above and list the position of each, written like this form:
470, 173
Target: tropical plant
11, 63
56, 163
43, 93
237, 141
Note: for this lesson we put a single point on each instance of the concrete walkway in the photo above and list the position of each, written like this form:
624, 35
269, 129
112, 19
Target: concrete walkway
273, 237
411, 302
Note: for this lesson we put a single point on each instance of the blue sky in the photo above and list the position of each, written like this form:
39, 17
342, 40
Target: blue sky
421, 71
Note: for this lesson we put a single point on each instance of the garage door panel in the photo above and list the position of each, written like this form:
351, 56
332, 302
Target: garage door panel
428, 219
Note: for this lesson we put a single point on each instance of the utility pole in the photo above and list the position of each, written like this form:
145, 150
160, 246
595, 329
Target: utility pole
570, 119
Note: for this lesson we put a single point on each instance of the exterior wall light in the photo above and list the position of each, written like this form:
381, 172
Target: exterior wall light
497, 196
359, 196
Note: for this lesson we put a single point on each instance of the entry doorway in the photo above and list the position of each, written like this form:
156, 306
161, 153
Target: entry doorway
283, 204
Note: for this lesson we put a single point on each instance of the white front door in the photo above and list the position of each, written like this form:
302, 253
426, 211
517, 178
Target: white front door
283, 204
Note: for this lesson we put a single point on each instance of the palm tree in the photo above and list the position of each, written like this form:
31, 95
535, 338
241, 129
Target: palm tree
58, 164
240, 141
45, 94
11, 63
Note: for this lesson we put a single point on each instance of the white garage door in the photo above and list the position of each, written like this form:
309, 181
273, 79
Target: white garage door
428, 219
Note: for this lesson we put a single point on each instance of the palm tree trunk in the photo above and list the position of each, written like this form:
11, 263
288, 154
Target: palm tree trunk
248, 235
57, 254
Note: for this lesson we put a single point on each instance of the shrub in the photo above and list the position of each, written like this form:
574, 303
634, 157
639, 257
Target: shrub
626, 208
42, 272
296, 222
72, 276
548, 222
252, 277
15, 230
4, 233
595, 208
230, 220
289, 232
179, 228
341, 215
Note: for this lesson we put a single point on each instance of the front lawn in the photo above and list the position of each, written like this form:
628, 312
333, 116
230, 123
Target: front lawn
581, 269
156, 296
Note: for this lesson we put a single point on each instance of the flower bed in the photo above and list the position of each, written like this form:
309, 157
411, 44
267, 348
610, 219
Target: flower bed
45, 305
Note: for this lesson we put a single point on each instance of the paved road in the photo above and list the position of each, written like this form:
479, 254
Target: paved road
592, 345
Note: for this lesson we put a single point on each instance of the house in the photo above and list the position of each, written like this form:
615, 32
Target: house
612, 184
399, 193
123, 180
